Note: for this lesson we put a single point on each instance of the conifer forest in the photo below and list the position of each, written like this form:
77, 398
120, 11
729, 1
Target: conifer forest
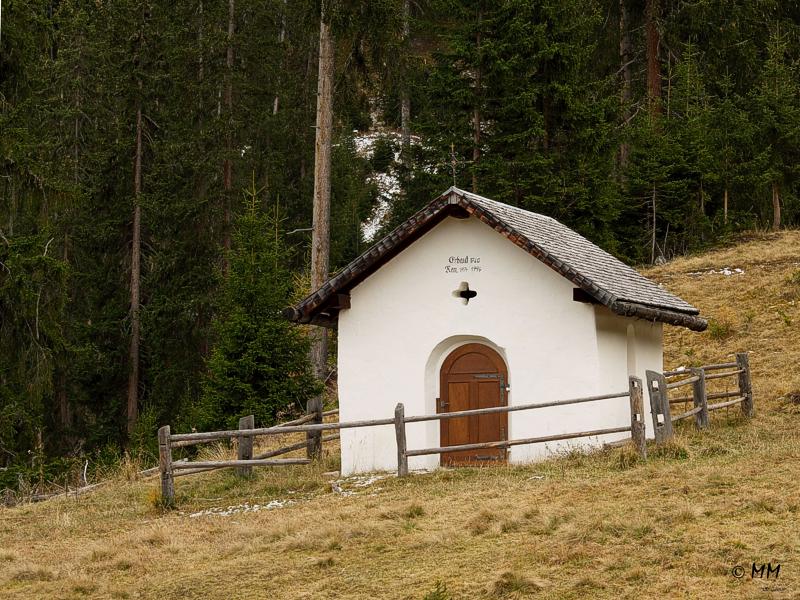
170, 173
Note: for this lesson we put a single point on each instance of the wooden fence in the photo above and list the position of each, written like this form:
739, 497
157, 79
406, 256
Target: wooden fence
660, 384
636, 428
246, 433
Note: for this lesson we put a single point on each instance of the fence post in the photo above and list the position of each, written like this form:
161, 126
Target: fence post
659, 406
165, 466
699, 397
637, 416
400, 433
314, 438
245, 449
745, 385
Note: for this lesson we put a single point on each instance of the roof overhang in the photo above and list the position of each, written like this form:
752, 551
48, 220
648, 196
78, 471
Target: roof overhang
322, 306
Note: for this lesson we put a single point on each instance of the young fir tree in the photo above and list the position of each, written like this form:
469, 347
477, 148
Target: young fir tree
259, 364
730, 133
777, 119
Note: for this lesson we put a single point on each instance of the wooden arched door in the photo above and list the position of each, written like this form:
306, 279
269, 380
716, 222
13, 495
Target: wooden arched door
473, 376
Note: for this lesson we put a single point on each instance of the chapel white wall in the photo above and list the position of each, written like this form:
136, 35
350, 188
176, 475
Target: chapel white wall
404, 321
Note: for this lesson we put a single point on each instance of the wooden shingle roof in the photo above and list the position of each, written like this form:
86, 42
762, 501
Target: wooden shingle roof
604, 278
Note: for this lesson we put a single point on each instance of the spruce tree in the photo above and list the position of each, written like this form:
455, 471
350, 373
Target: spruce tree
777, 116
259, 363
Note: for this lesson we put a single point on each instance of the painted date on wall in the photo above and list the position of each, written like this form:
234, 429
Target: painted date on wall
463, 264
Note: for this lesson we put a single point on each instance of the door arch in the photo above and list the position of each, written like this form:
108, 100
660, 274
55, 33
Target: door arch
473, 376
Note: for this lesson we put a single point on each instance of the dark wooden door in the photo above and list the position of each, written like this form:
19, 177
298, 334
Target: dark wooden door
473, 376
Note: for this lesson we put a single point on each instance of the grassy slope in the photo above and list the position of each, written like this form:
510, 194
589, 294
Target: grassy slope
574, 527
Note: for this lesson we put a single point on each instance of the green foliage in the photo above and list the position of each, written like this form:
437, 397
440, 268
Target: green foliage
382, 155
32, 296
718, 330
544, 80
671, 450
439, 592
72, 75
793, 280
776, 108
259, 363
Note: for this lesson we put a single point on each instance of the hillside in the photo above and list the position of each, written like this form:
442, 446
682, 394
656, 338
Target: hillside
597, 526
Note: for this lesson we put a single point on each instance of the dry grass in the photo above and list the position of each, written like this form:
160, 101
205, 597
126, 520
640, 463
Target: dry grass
596, 526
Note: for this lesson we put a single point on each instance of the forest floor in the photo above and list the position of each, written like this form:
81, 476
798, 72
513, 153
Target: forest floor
578, 526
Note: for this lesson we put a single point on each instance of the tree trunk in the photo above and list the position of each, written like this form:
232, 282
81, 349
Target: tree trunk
653, 239
776, 205
281, 40
702, 199
77, 138
652, 39
306, 109
725, 206
476, 115
200, 66
405, 96
320, 240
64, 412
136, 248
652, 12
625, 68
227, 166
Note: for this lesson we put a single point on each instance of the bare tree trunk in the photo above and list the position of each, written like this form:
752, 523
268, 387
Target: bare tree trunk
306, 109
227, 166
405, 96
653, 240
77, 137
281, 40
320, 241
13, 212
652, 11
702, 199
625, 67
136, 248
476, 115
776, 205
64, 413
725, 205
200, 65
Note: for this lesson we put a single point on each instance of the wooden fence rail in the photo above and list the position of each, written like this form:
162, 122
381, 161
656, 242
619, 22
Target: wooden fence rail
308, 424
660, 403
636, 428
245, 461
313, 426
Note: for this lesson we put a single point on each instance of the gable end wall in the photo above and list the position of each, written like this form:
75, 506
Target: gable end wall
404, 320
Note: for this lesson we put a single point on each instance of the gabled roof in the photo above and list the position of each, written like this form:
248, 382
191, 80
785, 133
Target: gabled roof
604, 278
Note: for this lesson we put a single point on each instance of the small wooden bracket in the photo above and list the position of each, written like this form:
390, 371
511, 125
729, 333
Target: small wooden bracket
579, 295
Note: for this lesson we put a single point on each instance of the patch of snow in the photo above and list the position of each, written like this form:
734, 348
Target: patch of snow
726, 271
367, 480
227, 511
388, 184
348, 486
